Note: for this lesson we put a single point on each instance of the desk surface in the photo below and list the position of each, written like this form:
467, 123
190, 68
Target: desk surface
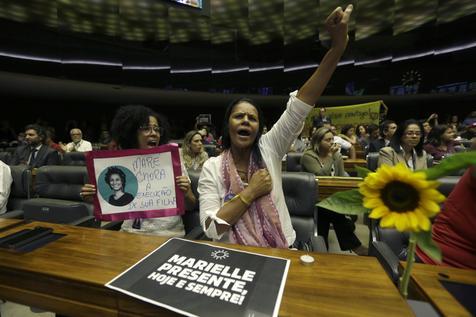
426, 278
68, 276
328, 185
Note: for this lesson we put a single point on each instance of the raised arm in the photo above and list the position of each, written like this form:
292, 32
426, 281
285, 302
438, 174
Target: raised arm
337, 26
285, 131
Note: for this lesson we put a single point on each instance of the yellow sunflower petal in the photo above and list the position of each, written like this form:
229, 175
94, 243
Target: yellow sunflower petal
413, 219
372, 203
401, 222
430, 206
388, 220
423, 221
379, 212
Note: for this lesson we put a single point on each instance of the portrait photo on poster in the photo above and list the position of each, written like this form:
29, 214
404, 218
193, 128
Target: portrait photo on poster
136, 183
113, 188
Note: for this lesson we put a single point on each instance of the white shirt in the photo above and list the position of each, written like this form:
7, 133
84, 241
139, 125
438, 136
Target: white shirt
165, 226
345, 145
5, 186
273, 146
81, 146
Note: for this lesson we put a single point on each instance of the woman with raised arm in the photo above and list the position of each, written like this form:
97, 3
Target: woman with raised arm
241, 194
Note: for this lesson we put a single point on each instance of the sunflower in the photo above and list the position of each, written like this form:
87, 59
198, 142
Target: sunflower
401, 198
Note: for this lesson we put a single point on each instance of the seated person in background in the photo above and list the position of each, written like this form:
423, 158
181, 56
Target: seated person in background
193, 154
362, 135
241, 194
139, 127
440, 142
104, 140
78, 144
469, 120
345, 146
426, 131
207, 136
35, 153
428, 124
347, 132
319, 120
50, 135
324, 159
453, 228
470, 132
387, 130
406, 147
6, 181
472, 146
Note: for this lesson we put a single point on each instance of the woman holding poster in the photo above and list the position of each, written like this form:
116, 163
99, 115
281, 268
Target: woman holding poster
241, 195
139, 127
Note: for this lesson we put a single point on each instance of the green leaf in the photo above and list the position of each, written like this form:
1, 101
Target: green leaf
348, 202
451, 164
362, 171
426, 243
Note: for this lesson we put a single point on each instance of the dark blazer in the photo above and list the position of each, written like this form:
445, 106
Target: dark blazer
45, 156
376, 145
388, 156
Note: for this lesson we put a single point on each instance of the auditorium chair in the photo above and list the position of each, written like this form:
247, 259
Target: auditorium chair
389, 245
293, 162
57, 199
191, 219
300, 193
210, 149
20, 191
74, 158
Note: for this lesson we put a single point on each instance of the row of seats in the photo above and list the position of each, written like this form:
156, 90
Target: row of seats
69, 158
293, 161
54, 197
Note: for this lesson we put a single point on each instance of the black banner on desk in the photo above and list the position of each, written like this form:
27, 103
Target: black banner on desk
197, 279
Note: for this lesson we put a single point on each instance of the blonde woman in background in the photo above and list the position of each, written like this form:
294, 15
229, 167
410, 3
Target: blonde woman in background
193, 154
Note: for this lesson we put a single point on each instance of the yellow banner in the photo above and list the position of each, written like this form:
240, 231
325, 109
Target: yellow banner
364, 113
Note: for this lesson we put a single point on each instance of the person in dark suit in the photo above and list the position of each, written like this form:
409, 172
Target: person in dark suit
35, 153
387, 130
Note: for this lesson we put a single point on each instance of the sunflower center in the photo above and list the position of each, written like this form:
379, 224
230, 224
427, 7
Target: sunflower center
400, 197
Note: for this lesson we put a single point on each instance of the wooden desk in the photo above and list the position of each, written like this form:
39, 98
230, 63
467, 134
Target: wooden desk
328, 185
349, 164
425, 279
68, 276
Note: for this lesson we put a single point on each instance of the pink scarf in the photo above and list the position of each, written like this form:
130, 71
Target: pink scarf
259, 225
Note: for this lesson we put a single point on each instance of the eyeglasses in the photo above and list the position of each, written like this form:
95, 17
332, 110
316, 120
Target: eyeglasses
413, 133
149, 129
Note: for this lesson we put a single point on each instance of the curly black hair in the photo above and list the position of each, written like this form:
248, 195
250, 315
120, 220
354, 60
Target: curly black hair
345, 128
115, 170
127, 121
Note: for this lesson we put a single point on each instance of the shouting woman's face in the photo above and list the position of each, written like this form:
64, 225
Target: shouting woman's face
243, 125
148, 136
